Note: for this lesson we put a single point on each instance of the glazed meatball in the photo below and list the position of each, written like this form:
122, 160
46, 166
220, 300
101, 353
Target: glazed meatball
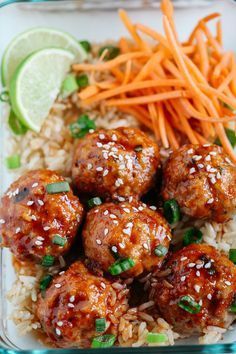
35, 223
120, 231
115, 164
203, 181
73, 302
197, 290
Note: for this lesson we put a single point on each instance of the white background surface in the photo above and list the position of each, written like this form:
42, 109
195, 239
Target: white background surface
95, 26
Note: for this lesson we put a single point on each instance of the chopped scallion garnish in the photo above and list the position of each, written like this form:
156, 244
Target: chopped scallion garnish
100, 324
45, 281
57, 187
120, 266
82, 126
172, 211
69, 85
58, 240
47, 261
232, 255
192, 235
94, 202
230, 135
86, 45
13, 162
82, 81
233, 307
15, 124
156, 337
104, 341
4, 96
112, 52
161, 251
188, 304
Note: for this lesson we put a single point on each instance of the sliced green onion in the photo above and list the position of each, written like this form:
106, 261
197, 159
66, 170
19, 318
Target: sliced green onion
86, 45
188, 304
94, 202
156, 337
45, 281
230, 135
69, 85
58, 240
100, 324
138, 148
232, 255
112, 52
15, 124
120, 266
4, 96
82, 81
47, 261
192, 235
13, 162
80, 128
57, 187
104, 341
233, 307
161, 251
172, 211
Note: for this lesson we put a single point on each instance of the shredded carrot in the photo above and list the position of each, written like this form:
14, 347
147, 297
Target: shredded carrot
176, 89
135, 86
148, 99
111, 63
88, 92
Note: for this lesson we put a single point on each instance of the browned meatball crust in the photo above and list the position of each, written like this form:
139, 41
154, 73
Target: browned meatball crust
73, 302
208, 277
115, 164
123, 231
203, 181
31, 217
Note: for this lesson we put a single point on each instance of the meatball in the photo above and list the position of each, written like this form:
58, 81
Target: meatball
115, 164
197, 289
73, 302
35, 223
203, 181
120, 231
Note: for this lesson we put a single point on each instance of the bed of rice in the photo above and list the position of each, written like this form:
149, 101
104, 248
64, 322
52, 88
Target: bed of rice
52, 148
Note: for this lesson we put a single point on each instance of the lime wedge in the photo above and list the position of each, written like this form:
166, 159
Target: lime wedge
35, 39
36, 84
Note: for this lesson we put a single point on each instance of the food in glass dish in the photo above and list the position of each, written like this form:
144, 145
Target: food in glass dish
121, 219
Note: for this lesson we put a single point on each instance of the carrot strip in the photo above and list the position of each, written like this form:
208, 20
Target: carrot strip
162, 128
226, 81
136, 86
154, 117
147, 99
147, 68
204, 19
88, 92
224, 62
211, 39
127, 72
111, 63
128, 24
124, 46
219, 32
171, 136
204, 60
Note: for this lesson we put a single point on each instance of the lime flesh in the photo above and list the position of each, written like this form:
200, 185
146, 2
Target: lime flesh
36, 39
36, 84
